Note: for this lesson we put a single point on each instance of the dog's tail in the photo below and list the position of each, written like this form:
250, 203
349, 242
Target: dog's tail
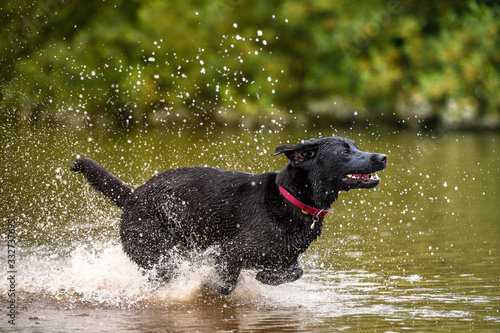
102, 180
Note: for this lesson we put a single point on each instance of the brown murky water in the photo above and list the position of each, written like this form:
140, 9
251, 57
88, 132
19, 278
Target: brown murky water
419, 253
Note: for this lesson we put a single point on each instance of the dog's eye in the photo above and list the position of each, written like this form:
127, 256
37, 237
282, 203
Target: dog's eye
345, 151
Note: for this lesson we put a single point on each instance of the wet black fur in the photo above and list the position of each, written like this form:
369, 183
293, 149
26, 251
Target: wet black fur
193, 208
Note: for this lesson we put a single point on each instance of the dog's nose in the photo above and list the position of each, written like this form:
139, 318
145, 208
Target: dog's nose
380, 158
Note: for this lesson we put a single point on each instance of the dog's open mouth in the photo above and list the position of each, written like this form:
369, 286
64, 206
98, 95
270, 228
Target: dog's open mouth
360, 180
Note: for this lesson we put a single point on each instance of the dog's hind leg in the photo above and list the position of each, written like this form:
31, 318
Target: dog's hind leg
167, 268
150, 245
281, 275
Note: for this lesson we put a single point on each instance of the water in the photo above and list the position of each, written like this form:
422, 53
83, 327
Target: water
418, 253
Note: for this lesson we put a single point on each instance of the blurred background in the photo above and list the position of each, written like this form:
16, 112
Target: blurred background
154, 62
142, 86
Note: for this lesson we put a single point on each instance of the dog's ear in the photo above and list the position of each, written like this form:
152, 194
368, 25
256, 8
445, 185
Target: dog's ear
300, 152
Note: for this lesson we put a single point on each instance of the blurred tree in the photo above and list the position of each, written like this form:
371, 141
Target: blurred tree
144, 61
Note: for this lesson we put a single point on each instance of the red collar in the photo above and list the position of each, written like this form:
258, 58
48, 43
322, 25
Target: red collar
305, 208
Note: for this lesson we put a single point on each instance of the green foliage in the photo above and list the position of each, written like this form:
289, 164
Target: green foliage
146, 61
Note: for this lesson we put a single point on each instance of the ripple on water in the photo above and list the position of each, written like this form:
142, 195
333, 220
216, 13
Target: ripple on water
90, 279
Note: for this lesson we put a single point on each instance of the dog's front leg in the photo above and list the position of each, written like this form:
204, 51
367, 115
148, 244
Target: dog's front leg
281, 275
228, 274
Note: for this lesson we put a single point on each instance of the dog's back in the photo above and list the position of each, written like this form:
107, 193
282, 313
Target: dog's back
201, 206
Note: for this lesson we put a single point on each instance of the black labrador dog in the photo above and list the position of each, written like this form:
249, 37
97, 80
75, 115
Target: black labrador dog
256, 221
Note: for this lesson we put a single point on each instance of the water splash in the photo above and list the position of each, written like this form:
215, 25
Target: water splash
101, 275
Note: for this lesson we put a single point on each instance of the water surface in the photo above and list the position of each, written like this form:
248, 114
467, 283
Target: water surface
418, 253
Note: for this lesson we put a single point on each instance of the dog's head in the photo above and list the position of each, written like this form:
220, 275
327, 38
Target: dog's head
335, 163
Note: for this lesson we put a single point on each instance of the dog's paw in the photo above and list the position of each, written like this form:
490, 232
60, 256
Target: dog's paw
276, 277
269, 277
